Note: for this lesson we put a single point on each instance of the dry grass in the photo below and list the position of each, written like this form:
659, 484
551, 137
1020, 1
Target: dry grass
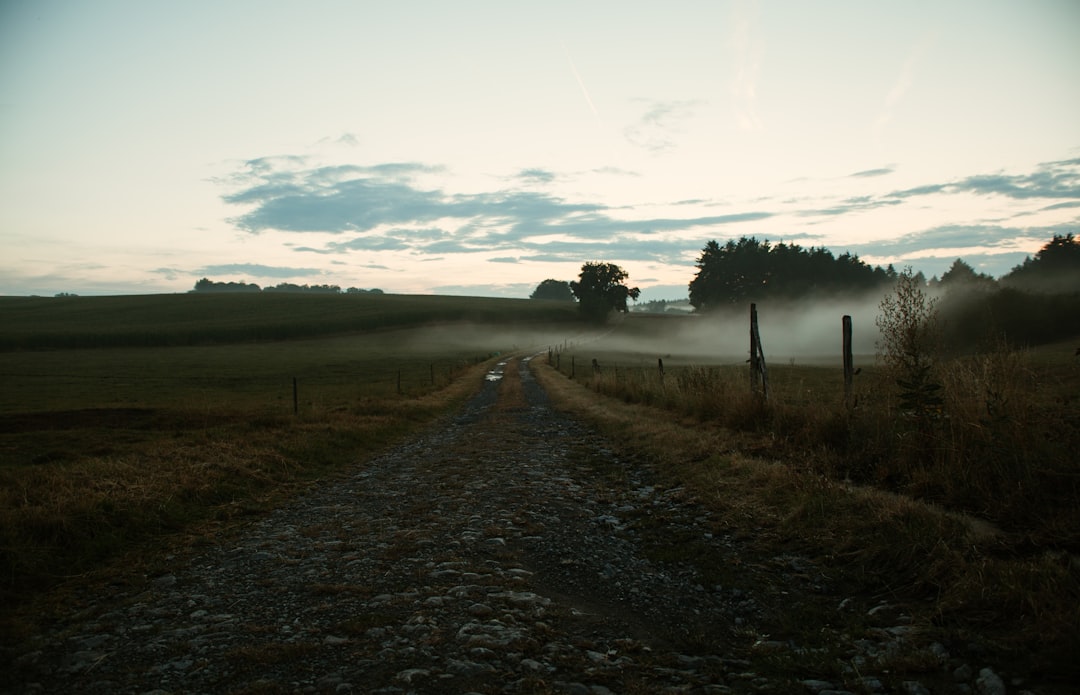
114, 487
876, 541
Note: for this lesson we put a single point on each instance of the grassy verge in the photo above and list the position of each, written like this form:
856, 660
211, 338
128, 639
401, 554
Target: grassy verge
1000, 445
118, 478
965, 583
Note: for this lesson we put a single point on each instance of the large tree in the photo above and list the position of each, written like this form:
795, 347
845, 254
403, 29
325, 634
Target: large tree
601, 289
553, 289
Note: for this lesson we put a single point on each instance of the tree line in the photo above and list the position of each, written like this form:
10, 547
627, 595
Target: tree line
1037, 301
207, 285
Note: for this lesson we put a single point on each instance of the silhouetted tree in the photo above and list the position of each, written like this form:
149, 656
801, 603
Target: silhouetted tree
205, 285
960, 275
748, 270
600, 290
316, 289
553, 289
1055, 268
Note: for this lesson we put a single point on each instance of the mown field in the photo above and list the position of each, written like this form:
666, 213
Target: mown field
125, 418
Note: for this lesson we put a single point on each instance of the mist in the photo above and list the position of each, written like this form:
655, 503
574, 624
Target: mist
802, 331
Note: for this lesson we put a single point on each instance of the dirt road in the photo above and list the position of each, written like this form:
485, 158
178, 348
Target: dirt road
507, 550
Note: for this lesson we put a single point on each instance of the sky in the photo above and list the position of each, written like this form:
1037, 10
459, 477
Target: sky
479, 148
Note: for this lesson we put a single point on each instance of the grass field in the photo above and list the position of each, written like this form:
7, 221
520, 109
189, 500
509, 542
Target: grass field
122, 418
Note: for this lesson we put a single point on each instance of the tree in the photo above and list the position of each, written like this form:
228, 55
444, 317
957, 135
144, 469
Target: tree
909, 343
962, 275
749, 270
553, 289
600, 290
207, 285
1055, 268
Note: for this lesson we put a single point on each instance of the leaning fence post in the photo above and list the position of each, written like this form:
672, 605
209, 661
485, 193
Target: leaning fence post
849, 362
758, 372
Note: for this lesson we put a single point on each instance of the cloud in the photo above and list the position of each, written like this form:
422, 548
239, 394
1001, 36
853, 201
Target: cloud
748, 50
536, 176
849, 205
898, 90
381, 208
655, 129
872, 172
256, 270
1060, 179
955, 239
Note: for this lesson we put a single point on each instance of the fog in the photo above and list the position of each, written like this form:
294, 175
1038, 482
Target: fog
807, 332
488, 339
804, 332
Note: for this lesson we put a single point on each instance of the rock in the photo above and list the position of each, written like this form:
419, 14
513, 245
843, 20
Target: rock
480, 610
915, 688
989, 683
412, 674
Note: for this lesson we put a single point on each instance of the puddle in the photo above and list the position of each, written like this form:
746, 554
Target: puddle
496, 372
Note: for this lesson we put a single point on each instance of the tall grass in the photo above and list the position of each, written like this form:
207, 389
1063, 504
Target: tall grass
784, 470
1003, 446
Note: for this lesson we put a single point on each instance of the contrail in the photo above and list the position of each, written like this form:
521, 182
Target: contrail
581, 83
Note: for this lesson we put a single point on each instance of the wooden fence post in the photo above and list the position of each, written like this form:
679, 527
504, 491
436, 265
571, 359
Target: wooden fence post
660, 363
759, 375
399, 382
571, 366
849, 362
295, 398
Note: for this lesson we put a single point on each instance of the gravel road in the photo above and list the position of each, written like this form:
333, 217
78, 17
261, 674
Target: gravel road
507, 550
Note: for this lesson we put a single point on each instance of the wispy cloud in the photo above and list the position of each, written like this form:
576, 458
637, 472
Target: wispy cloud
748, 51
1060, 179
899, 89
584, 90
368, 210
657, 128
535, 176
257, 270
379, 208
883, 171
